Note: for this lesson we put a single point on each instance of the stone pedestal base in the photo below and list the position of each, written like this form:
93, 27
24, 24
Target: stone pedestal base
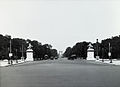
90, 56
90, 53
29, 55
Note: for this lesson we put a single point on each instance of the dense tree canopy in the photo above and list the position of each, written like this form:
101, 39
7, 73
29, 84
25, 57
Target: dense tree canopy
79, 49
100, 49
4, 43
19, 47
114, 47
68, 52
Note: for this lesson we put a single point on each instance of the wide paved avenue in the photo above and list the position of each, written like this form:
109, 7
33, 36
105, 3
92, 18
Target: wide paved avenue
60, 73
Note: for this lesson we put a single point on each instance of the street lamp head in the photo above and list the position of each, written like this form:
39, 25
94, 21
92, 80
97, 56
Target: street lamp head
97, 40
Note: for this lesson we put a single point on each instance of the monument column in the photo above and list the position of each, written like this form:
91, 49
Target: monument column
29, 53
90, 52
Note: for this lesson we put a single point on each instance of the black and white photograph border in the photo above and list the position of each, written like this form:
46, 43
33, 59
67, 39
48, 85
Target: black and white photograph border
59, 43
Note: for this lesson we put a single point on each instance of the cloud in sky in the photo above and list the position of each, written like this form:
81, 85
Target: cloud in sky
60, 23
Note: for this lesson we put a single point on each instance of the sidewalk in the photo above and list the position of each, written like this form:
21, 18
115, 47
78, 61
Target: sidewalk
5, 62
114, 61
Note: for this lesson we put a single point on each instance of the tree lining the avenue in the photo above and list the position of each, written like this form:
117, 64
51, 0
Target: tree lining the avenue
19, 47
100, 49
79, 49
44, 51
103, 48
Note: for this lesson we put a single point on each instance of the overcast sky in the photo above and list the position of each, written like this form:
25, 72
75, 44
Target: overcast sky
61, 23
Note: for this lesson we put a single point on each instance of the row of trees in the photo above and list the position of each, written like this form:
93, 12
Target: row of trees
100, 49
106, 45
40, 51
79, 49
19, 47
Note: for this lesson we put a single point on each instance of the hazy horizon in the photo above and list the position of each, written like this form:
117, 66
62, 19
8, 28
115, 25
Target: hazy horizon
60, 23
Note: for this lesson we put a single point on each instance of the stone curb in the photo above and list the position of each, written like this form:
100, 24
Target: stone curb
99, 61
14, 64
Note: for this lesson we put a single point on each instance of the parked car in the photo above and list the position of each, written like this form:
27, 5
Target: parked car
56, 57
72, 57
52, 58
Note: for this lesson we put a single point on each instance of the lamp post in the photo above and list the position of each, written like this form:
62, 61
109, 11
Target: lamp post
97, 56
16, 57
10, 53
22, 58
9, 49
109, 53
102, 54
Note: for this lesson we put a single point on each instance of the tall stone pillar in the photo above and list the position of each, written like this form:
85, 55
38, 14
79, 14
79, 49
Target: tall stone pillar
90, 52
29, 54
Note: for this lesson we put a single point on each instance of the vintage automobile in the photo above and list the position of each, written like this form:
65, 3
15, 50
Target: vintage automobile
72, 57
52, 58
56, 57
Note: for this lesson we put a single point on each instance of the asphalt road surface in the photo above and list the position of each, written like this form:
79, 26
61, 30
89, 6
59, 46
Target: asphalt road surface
60, 73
